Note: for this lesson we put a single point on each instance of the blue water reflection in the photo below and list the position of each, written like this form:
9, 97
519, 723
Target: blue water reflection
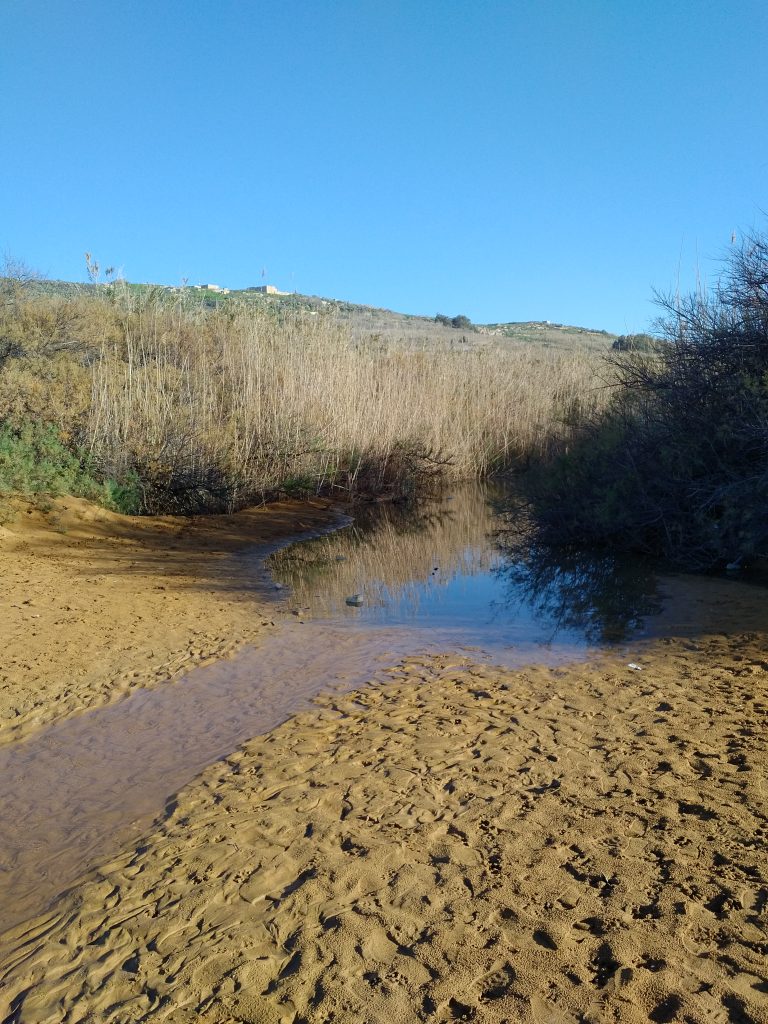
454, 572
451, 569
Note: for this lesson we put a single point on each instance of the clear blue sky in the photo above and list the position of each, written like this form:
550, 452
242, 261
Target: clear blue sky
541, 159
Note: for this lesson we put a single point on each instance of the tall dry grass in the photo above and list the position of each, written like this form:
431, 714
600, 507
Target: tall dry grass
215, 408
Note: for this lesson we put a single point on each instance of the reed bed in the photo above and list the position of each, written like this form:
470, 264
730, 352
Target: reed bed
217, 408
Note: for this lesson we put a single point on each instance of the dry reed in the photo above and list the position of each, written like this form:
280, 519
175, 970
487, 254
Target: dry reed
215, 408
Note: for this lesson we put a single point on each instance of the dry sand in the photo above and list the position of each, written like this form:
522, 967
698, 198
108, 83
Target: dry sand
463, 843
94, 604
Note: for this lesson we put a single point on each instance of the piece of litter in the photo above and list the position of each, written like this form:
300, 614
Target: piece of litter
634, 667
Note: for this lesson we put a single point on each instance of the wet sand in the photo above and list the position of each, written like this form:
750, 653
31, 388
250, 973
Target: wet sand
95, 604
584, 843
75, 793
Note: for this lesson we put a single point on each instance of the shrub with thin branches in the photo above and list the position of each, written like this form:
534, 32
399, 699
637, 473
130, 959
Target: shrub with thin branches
677, 465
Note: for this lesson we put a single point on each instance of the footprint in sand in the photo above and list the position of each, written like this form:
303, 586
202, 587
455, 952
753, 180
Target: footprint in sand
497, 983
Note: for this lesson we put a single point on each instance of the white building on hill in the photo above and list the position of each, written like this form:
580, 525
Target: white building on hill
269, 289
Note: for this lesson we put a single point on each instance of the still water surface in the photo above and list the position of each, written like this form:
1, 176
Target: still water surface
453, 572
78, 792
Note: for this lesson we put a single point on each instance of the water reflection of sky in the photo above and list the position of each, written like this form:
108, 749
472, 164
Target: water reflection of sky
476, 608
445, 571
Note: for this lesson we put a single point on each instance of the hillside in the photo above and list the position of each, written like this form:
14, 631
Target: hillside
366, 322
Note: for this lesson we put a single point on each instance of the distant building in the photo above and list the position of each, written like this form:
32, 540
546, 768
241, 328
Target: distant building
215, 288
269, 289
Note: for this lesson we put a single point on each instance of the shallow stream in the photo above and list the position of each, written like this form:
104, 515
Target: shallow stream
78, 792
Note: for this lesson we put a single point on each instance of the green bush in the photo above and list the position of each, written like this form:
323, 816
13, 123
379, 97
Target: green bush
301, 486
35, 461
125, 495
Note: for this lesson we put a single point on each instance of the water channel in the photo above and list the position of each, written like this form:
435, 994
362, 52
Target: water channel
437, 579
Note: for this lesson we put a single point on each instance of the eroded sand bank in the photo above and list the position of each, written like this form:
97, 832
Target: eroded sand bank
465, 843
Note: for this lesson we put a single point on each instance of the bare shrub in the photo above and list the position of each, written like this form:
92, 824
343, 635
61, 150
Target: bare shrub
677, 464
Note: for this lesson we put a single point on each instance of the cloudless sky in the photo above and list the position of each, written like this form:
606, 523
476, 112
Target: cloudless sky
540, 159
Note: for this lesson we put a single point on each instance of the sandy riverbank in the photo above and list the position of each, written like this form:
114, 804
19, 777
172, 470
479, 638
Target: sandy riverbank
95, 603
465, 843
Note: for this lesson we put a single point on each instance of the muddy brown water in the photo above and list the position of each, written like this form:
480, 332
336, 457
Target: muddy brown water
77, 792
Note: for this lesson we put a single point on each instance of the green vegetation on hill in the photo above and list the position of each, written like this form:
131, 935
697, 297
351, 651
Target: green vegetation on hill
551, 335
363, 322
637, 343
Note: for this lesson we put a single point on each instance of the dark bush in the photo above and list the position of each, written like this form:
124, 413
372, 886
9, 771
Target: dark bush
462, 322
678, 465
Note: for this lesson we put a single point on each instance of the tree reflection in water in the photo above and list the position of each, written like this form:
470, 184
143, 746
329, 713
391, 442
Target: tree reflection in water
602, 596
446, 565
